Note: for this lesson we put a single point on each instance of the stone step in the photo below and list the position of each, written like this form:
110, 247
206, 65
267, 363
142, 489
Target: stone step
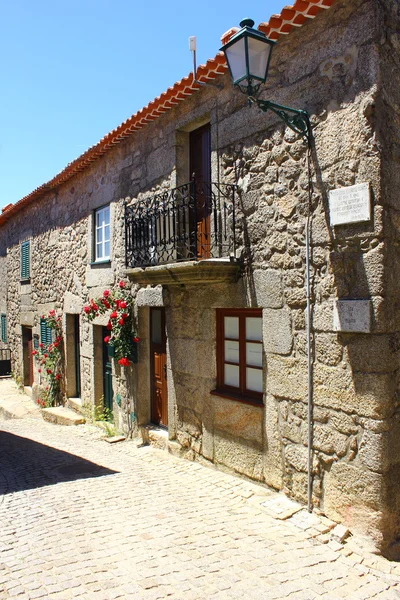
75, 404
28, 390
175, 448
62, 416
156, 436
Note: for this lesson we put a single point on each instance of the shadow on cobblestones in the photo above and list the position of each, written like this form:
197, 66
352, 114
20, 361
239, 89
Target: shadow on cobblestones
25, 464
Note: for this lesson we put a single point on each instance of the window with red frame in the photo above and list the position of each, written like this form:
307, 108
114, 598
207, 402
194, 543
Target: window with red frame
240, 354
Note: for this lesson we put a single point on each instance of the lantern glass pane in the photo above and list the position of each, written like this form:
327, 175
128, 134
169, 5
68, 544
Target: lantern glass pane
259, 52
236, 58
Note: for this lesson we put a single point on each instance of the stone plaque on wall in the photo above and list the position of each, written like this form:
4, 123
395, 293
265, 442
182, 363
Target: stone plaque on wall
350, 204
352, 316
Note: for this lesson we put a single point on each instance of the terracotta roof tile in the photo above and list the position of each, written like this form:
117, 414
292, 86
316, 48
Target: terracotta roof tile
290, 16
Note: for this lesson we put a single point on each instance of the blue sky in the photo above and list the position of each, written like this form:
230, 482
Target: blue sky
73, 70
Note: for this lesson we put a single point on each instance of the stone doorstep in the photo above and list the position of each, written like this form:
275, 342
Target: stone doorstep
156, 436
62, 416
75, 404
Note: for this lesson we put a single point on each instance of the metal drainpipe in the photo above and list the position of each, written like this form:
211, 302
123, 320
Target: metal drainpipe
309, 365
309, 348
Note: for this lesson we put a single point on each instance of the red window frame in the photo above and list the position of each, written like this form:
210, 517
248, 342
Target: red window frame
241, 392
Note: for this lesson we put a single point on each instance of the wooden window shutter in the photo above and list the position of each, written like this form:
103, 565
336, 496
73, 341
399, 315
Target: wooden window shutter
25, 260
46, 334
43, 332
3, 328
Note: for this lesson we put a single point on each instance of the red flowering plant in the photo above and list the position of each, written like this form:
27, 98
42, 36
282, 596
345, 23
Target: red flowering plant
49, 358
120, 322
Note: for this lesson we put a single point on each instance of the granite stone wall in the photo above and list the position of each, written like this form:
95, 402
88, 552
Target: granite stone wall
340, 77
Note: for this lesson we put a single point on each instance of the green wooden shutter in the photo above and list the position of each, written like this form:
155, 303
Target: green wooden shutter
46, 333
43, 332
49, 335
25, 260
3, 328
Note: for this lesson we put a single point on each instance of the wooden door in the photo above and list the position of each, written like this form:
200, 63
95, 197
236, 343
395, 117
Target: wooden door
77, 352
200, 168
107, 378
27, 349
158, 367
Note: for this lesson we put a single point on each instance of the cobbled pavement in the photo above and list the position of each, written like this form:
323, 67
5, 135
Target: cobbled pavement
80, 518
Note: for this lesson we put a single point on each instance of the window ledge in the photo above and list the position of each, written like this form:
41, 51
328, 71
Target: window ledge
238, 398
101, 263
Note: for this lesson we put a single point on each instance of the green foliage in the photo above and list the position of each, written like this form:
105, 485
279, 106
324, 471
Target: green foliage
50, 362
101, 416
18, 380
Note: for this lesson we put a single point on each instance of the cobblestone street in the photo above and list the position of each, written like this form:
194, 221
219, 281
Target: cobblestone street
81, 518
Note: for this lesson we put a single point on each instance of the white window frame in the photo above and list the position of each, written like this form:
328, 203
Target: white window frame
102, 224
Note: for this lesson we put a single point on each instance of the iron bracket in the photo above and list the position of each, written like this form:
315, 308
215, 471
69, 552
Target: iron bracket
297, 120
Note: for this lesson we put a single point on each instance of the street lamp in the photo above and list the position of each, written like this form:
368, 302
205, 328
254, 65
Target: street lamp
247, 54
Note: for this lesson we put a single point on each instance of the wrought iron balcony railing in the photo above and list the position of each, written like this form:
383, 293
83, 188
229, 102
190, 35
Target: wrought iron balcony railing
191, 222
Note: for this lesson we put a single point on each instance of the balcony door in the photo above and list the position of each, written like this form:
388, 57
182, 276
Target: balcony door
200, 167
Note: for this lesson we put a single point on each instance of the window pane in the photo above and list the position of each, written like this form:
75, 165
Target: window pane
99, 251
254, 380
231, 375
107, 232
98, 218
156, 333
232, 351
254, 354
106, 216
107, 250
254, 328
231, 326
99, 234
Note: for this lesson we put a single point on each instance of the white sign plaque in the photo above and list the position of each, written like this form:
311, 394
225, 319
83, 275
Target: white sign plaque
352, 316
350, 204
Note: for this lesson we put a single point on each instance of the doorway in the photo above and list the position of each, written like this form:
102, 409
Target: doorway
200, 168
27, 357
73, 352
158, 367
107, 377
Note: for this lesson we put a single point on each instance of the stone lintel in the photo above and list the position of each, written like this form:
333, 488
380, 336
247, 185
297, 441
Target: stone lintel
27, 319
213, 270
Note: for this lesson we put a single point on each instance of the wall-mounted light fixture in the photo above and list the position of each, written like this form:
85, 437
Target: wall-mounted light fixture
248, 54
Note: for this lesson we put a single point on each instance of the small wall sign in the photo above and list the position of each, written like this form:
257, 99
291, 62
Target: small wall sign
353, 316
350, 204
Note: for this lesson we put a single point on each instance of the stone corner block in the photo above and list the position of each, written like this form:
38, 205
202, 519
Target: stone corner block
277, 330
268, 288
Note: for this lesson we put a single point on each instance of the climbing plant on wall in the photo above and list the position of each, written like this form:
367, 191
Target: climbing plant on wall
49, 358
121, 338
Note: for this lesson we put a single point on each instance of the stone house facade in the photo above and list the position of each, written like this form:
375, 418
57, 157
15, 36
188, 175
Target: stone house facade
217, 268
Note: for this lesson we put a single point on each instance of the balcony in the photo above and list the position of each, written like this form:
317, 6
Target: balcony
183, 235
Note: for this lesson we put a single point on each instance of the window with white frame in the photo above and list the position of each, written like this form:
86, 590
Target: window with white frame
102, 234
